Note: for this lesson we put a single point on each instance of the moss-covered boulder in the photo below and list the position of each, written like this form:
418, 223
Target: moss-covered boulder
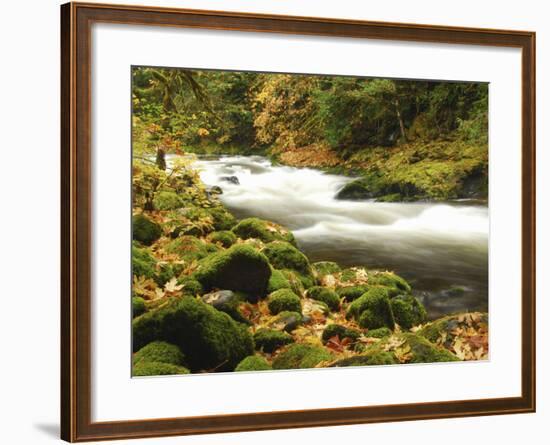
143, 263
188, 248
277, 281
336, 330
372, 359
351, 293
266, 231
327, 296
389, 279
269, 340
301, 356
323, 268
219, 217
239, 268
138, 306
408, 311
209, 339
145, 230
161, 352
355, 190
284, 300
295, 281
287, 321
226, 238
227, 301
166, 200
190, 286
283, 255
147, 369
379, 333
444, 330
373, 309
253, 363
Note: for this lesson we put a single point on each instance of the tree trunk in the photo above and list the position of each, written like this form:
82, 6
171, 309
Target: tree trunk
161, 159
400, 119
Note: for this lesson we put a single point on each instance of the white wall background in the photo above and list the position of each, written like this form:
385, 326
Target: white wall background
29, 220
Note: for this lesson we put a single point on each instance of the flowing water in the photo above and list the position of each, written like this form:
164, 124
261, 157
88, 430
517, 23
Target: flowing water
440, 248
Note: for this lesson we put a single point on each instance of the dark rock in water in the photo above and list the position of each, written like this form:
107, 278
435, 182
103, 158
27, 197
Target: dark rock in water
215, 190
231, 179
355, 190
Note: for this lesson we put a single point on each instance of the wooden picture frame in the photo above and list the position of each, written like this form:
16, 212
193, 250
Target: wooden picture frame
76, 221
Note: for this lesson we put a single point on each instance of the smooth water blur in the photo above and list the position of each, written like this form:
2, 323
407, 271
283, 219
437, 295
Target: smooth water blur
437, 247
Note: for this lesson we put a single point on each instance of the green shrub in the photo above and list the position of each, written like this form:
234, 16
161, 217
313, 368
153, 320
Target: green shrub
268, 340
253, 363
327, 296
301, 356
283, 300
144, 230
239, 268
208, 338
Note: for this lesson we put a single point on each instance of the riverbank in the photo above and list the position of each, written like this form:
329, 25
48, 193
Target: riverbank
213, 293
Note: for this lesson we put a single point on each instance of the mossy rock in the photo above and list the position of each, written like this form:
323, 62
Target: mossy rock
269, 340
277, 281
373, 309
408, 311
389, 279
161, 352
239, 268
287, 321
138, 306
167, 201
301, 356
358, 189
253, 363
351, 293
208, 338
220, 217
149, 369
283, 300
224, 237
190, 286
188, 248
283, 255
327, 296
295, 281
266, 231
333, 330
373, 359
322, 268
227, 301
143, 263
445, 326
379, 333
144, 230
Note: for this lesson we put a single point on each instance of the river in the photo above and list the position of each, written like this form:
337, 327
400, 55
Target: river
440, 248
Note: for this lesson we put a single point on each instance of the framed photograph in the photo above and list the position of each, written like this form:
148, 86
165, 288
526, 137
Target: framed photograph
276, 222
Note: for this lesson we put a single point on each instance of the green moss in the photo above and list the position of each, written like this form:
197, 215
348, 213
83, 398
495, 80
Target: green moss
138, 306
277, 281
301, 356
284, 256
373, 359
224, 237
167, 201
253, 363
143, 263
220, 218
266, 231
348, 275
190, 286
408, 311
208, 338
322, 268
379, 333
268, 340
284, 300
239, 268
389, 279
227, 301
446, 325
144, 230
287, 321
295, 281
373, 309
188, 248
342, 332
351, 293
165, 273
327, 296
143, 369
423, 351
161, 352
